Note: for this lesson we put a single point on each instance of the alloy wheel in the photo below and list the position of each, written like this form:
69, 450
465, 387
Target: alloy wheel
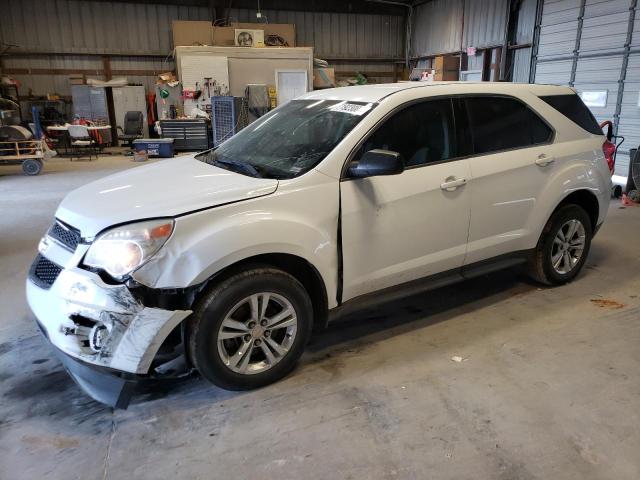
568, 246
257, 333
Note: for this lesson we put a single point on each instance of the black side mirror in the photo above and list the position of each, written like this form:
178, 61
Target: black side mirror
377, 162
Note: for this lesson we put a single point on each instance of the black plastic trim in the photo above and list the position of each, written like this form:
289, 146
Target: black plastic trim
103, 384
54, 234
36, 279
100, 384
340, 286
431, 282
165, 298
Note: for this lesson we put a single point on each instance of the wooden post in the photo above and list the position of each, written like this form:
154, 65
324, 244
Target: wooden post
106, 66
486, 65
497, 64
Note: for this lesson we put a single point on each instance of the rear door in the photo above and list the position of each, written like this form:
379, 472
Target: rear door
512, 160
398, 228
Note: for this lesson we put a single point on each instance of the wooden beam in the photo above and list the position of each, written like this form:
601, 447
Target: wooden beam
115, 53
151, 73
353, 73
82, 53
80, 71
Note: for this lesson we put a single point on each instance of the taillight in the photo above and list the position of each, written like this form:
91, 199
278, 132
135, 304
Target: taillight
609, 150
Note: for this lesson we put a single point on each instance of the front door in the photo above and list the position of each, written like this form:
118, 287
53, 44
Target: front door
403, 227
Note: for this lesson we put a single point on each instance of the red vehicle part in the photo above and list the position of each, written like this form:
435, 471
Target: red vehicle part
608, 147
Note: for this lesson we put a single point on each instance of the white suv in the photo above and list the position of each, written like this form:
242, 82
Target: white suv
340, 198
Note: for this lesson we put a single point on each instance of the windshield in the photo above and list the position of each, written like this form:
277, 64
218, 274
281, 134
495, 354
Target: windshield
290, 140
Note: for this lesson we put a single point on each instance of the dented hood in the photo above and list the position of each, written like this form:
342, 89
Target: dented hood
168, 188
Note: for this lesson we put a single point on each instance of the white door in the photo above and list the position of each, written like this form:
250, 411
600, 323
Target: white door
513, 160
403, 227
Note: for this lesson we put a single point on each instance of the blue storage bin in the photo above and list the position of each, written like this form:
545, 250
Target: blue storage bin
155, 147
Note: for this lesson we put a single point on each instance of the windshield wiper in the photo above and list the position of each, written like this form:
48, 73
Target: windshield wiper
235, 165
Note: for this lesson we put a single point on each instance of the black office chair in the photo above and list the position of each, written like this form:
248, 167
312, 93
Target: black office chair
132, 127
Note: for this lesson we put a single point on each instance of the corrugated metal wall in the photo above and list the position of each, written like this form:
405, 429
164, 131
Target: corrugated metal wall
438, 25
521, 65
437, 28
450, 26
138, 35
484, 23
524, 34
339, 35
78, 26
583, 43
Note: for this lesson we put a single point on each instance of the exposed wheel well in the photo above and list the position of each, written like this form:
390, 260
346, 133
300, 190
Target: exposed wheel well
585, 199
295, 266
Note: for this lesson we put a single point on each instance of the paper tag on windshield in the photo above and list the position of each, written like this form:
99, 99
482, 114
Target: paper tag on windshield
352, 108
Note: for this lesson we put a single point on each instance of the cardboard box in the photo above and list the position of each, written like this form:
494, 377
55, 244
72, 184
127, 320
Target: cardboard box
247, 37
187, 33
447, 68
324, 78
446, 62
224, 36
285, 30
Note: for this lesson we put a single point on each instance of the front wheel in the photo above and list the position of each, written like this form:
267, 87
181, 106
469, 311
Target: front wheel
563, 246
250, 329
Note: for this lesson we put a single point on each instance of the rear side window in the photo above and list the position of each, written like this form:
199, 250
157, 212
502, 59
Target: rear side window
572, 107
500, 123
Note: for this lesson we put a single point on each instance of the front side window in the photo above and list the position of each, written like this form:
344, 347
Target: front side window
498, 123
422, 133
290, 140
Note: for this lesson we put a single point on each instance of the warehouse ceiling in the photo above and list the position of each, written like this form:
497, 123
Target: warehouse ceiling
355, 6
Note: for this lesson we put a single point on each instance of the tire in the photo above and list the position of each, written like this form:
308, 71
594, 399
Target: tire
220, 360
550, 245
32, 167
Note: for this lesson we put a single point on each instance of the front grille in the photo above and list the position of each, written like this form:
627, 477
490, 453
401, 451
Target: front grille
67, 236
44, 272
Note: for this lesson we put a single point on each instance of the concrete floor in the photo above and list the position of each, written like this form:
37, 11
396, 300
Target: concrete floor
549, 385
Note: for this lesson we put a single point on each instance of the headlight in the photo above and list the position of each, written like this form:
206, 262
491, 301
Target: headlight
123, 249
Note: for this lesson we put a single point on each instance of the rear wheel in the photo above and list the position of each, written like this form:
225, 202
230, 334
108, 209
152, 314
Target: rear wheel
31, 167
563, 246
251, 329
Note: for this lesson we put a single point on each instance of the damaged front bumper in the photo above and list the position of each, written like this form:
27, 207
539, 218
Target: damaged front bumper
103, 385
102, 334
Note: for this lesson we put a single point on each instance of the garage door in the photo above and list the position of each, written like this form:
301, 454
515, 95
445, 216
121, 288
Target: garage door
594, 46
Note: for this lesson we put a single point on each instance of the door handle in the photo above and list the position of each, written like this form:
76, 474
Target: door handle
543, 160
451, 183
